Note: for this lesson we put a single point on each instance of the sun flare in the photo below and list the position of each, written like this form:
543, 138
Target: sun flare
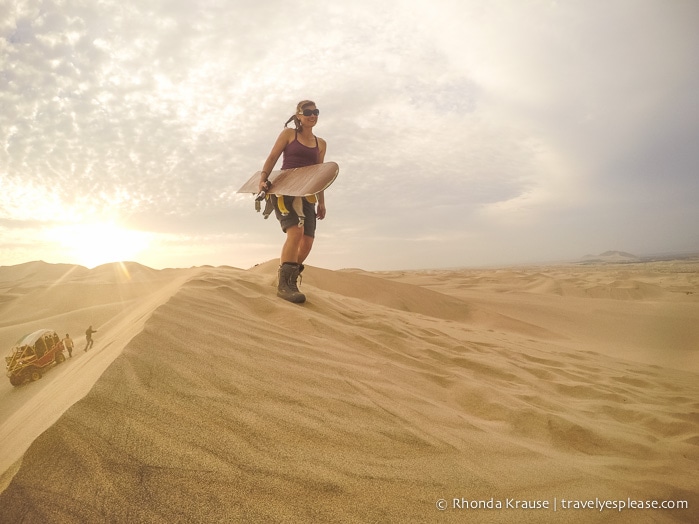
99, 243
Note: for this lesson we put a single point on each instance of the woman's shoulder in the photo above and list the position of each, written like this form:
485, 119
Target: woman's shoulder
288, 133
286, 136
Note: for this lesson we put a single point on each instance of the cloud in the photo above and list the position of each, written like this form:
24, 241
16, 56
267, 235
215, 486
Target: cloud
450, 119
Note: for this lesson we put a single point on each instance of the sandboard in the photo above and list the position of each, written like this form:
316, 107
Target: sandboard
299, 181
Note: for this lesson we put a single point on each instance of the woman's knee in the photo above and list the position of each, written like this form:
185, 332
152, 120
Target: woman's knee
294, 234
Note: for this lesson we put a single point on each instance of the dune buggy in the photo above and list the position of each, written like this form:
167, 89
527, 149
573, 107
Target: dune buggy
33, 354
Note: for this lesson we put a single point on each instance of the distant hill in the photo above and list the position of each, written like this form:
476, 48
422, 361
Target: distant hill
610, 257
39, 271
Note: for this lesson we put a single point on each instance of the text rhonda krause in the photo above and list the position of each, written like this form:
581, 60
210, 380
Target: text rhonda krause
566, 504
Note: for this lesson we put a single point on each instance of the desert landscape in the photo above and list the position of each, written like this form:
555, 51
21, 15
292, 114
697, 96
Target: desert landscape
561, 393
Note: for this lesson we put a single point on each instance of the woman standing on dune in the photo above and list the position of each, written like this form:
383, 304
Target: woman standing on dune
300, 148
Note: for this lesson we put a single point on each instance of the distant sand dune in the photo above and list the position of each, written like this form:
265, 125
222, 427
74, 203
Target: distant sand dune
380, 396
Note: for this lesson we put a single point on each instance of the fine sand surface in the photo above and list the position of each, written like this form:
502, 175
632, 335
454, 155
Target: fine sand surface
208, 399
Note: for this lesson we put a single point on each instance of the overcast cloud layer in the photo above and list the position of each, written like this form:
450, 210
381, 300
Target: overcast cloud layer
467, 132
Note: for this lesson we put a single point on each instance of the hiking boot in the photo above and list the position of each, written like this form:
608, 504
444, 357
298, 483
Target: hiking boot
287, 288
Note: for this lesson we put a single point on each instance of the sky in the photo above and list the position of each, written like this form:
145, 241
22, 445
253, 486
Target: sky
468, 133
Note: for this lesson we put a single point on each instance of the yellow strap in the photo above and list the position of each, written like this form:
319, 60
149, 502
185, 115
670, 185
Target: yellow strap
281, 206
280, 203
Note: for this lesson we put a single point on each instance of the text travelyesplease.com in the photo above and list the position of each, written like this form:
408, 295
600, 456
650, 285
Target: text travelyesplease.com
560, 504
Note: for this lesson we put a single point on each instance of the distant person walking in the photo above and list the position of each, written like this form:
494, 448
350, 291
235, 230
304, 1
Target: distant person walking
88, 337
68, 344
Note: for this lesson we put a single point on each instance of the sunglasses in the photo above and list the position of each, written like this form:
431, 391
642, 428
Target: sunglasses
309, 112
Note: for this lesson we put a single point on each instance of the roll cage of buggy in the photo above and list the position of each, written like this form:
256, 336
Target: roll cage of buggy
33, 354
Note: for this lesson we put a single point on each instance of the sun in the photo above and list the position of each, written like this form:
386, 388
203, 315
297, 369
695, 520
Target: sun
97, 243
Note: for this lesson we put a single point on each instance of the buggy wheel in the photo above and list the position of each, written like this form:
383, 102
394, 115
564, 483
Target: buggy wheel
16, 380
60, 357
34, 374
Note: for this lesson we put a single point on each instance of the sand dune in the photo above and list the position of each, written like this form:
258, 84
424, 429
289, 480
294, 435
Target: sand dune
382, 395
68, 299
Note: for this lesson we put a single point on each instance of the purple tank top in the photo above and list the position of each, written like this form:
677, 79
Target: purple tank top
298, 155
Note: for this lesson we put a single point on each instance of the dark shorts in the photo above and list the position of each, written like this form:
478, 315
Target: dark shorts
292, 219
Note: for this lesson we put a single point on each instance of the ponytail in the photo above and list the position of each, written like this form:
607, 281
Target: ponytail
297, 122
